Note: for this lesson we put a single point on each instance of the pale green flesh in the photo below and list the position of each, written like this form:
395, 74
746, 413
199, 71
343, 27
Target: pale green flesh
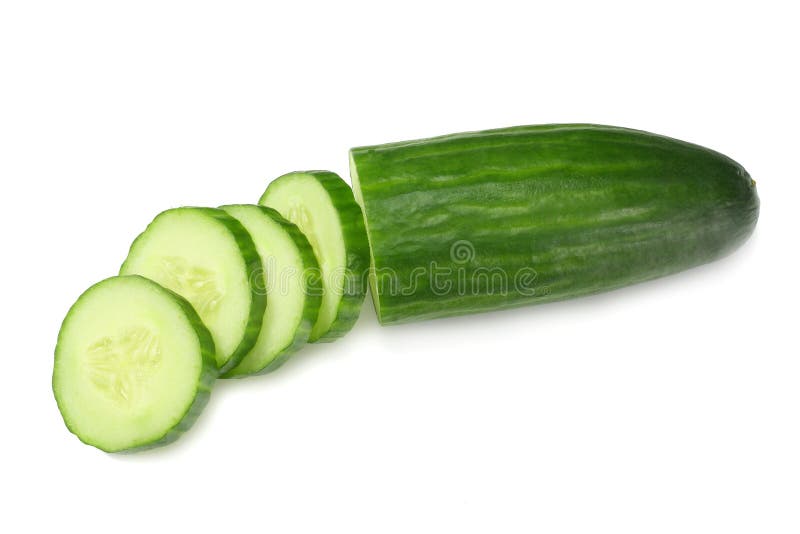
306, 203
283, 268
128, 364
360, 201
197, 257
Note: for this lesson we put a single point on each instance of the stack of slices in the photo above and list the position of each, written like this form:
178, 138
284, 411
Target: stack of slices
222, 292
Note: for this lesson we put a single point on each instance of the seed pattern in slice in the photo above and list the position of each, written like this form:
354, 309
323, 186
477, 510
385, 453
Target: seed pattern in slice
120, 365
206, 256
134, 365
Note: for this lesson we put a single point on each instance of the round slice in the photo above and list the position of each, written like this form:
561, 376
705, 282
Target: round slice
292, 284
321, 204
134, 365
206, 256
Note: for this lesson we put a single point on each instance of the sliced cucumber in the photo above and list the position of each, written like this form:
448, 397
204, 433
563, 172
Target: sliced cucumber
533, 214
208, 257
292, 284
321, 204
134, 365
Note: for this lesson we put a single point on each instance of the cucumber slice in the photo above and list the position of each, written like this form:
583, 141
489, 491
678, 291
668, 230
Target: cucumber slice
321, 204
134, 365
208, 257
292, 284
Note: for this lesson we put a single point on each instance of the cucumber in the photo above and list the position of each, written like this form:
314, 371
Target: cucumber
495, 219
208, 257
292, 284
134, 365
321, 204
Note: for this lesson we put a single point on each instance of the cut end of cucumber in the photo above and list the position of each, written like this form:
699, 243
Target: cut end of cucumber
376, 303
133, 365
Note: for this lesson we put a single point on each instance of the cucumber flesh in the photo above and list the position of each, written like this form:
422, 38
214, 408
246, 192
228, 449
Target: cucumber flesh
292, 285
321, 204
208, 257
134, 365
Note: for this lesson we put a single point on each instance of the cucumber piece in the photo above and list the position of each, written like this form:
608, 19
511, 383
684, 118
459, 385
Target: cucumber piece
292, 284
321, 204
134, 365
488, 220
208, 257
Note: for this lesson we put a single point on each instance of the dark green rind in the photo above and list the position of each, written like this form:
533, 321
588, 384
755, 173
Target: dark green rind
313, 294
355, 245
252, 263
205, 381
587, 208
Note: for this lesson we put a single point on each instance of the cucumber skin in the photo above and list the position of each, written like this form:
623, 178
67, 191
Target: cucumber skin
312, 302
208, 371
252, 264
356, 248
589, 208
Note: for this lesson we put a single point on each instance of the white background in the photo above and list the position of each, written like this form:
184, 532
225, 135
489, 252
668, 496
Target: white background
667, 407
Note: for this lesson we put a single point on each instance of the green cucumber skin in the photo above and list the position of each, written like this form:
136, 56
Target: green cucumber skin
312, 302
205, 382
253, 266
356, 247
588, 208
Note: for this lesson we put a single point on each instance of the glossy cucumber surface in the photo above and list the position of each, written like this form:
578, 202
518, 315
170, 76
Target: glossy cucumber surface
495, 219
